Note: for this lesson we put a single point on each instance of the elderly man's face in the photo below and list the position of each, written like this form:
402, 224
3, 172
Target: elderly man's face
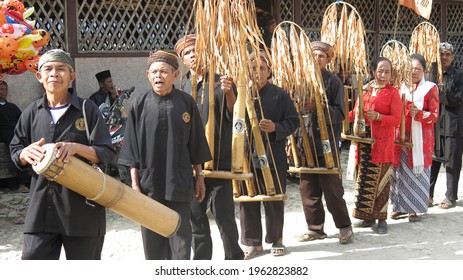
107, 85
189, 57
162, 76
447, 59
262, 72
321, 57
55, 77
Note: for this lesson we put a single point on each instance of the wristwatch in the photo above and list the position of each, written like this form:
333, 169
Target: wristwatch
200, 174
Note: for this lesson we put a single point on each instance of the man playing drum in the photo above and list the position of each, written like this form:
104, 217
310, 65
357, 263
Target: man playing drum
58, 217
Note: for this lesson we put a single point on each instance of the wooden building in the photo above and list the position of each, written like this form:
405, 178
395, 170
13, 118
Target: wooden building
117, 35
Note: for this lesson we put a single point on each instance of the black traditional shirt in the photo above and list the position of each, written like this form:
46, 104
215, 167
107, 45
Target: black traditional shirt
100, 97
52, 207
451, 99
278, 107
164, 137
9, 116
222, 116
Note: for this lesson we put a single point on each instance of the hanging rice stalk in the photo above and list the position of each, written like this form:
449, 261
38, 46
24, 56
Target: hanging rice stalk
425, 40
348, 38
398, 54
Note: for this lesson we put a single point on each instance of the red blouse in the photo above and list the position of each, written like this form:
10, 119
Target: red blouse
387, 102
427, 116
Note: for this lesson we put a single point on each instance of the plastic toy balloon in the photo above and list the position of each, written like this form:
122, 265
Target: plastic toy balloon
19, 67
15, 6
8, 47
20, 42
32, 63
44, 37
14, 30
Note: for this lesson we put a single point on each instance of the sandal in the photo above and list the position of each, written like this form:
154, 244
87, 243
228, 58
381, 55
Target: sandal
447, 204
430, 202
382, 228
346, 235
412, 218
364, 223
311, 236
397, 215
250, 252
277, 249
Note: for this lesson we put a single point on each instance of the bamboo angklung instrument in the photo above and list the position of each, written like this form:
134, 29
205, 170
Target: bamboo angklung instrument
260, 148
425, 40
350, 55
298, 73
399, 56
220, 51
402, 141
229, 33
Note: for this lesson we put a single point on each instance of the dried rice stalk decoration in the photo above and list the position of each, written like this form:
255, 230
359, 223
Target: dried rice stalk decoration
348, 38
425, 40
227, 34
297, 71
399, 55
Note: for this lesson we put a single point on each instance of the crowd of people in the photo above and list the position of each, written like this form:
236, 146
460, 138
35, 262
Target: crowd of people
165, 148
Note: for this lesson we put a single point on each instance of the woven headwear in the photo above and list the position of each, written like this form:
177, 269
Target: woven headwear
324, 47
263, 57
162, 56
183, 43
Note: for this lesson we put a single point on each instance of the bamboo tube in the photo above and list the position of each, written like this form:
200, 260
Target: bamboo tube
210, 125
292, 140
236, 188
239, 125
402, 141
226, 175
259, 146
250, 185
194, 85
361, 114
345, 122
316, 170
305, 138
325, 141
244, 198
358, 139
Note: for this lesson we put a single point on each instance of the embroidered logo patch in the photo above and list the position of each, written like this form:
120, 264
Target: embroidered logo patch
186, 117
80, 124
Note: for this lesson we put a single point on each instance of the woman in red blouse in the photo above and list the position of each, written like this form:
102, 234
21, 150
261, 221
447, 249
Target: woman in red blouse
382, 110
412, 166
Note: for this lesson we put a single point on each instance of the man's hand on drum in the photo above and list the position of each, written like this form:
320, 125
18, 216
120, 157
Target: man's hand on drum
66, 150
33, 154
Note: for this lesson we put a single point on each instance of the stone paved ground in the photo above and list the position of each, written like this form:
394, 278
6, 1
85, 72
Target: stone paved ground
439, 236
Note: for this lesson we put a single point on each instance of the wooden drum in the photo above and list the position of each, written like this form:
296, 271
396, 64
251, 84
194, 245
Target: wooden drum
82, 178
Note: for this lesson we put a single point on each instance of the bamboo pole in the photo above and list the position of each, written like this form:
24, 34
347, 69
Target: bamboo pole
210, 125
361, 113
239, 125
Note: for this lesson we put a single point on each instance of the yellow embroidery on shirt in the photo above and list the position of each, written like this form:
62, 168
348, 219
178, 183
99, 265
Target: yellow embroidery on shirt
186, 117
80, 124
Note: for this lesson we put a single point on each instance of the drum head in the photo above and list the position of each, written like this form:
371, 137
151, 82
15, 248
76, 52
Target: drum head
48, 160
